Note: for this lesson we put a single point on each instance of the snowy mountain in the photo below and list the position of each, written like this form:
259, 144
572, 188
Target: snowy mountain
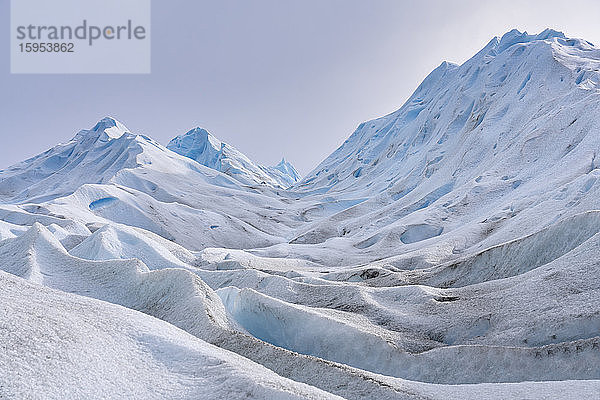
199, 145
92, 156
517, 95
481, 147
449, 250
108, 174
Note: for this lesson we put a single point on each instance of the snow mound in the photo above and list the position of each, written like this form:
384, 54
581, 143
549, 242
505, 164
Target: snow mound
122, 242
174, 295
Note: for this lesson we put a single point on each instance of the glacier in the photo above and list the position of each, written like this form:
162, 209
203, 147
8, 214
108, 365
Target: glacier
448, 250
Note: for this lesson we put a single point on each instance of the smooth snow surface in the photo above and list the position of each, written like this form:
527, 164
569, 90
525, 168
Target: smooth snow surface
449, 250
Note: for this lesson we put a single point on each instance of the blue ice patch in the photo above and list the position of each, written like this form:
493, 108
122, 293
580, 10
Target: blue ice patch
101, 203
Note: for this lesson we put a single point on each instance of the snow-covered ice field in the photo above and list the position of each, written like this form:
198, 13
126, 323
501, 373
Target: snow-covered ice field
449, 250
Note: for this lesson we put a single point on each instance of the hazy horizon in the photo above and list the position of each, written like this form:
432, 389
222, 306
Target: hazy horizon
274, 79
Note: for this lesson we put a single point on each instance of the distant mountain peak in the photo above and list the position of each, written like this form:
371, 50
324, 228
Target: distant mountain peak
200, 145
288, 170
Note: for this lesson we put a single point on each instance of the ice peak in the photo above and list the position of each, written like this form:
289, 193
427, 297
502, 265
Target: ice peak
515, 36
195, 140
106, 122
549, 33
111, 126
199, 145
105, 129
197, 131
288, 170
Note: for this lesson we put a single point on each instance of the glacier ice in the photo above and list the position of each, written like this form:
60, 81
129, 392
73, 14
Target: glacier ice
450, 249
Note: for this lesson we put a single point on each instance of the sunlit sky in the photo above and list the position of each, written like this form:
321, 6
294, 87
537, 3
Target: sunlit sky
271, 77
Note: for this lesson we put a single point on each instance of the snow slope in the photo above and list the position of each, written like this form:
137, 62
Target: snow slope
450, 249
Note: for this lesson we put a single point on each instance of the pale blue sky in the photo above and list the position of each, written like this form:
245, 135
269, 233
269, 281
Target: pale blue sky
272, 77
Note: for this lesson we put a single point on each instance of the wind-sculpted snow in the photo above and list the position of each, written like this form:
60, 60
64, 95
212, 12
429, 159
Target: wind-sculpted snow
511, 321
174, 295
515, 257
448, 250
